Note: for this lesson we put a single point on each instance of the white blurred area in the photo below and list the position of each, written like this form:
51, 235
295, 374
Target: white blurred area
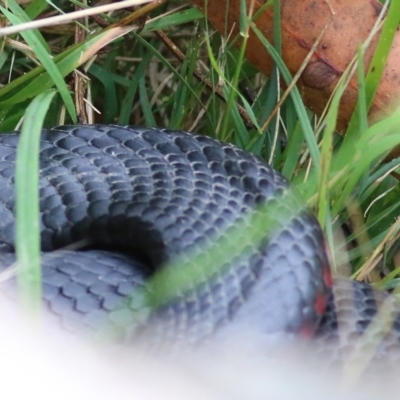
58, 367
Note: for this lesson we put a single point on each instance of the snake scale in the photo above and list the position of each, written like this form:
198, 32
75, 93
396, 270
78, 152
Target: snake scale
143, 198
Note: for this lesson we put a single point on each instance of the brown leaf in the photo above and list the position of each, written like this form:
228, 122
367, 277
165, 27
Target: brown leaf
347, 24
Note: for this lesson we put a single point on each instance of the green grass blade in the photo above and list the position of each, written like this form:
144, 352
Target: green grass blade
295, 94
231, 95
27, 203
36, 41
375, 71
382, 51
19, 16
165, 62
110, 92
292, 152
128, 101
179, 18
146, 107
34, 82
36, 7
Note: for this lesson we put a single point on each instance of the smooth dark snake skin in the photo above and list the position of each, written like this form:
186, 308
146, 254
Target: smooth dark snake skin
152, 195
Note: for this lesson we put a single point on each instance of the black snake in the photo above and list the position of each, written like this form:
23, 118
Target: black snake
143, 198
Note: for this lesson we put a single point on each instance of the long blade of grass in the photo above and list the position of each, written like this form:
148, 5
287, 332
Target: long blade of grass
22, 17
34, 82
382, 51
178, 18
327, 150
231, 94
36, 7
110, 98
38, 45
295, 94
128, 101
27, 203
374, 74
167, 64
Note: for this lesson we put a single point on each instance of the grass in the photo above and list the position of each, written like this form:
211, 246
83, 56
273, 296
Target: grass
139, 78
27, 206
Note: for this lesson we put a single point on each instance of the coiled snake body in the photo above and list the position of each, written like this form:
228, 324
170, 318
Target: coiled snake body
156, 196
